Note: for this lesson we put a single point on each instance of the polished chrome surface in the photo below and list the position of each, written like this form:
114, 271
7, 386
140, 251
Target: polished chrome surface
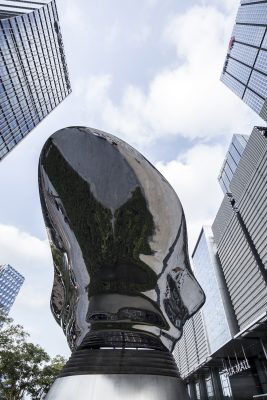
118, 238
117, 387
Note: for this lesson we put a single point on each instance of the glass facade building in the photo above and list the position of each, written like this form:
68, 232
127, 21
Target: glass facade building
219, 321
231, 161
34, 77
230, 262
10, 284
210, 329
245, 67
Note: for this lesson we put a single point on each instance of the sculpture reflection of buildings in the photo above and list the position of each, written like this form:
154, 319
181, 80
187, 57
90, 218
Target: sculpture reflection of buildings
229, 262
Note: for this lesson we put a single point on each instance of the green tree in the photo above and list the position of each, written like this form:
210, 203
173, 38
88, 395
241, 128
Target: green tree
25, 368
47, 377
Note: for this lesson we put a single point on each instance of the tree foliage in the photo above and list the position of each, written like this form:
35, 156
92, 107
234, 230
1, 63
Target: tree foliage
25, 368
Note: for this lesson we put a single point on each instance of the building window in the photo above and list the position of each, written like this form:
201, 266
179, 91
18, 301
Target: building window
209, 387
226, 387
197, 391
188, 388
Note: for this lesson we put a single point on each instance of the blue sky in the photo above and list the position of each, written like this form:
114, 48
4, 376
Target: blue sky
144, 70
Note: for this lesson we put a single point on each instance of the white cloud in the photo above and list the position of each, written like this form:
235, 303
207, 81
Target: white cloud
96, 90
29, 297
112, 33
187, 99
32, 258
152, 3
226, 5
73, 16
21, 248
142, 35
194, 177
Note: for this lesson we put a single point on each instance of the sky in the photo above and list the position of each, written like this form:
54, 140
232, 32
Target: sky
147, 71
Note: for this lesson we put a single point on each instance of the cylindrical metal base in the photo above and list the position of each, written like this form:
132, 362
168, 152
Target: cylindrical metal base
118, 387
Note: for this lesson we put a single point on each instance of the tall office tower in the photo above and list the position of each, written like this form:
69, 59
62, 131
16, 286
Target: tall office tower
212, 327
217, 312
240, 232
33, 72
230, 264
245, 67
241, 237
10, 284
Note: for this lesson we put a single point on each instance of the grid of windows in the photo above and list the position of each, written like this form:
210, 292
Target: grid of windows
33, 73
246, 59
258, 83
238, 70
11, 8
248, 34
10, 284
261, 63
253, 100
244, 53
236, 86
252, 14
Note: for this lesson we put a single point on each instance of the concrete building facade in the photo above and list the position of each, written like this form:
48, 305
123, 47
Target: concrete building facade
235, 365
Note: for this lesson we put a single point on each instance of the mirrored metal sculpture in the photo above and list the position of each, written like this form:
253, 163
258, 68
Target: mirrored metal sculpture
122, 280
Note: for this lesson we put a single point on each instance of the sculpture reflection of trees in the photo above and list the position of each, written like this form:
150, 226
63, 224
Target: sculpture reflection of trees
25, 368
111, 249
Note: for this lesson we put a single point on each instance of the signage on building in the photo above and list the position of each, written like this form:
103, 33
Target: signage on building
239, 366
231, 43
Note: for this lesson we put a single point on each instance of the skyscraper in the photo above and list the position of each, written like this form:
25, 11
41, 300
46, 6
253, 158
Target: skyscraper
10, 284
34, 77
217, 312
230, 262
211, 328
240, 232
245, 67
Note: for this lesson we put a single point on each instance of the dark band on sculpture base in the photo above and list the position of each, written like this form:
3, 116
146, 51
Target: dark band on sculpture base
115, 352
120, 361
121, 339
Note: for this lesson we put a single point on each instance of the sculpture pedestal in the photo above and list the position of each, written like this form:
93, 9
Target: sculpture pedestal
116, 374
123, 287
118, 387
